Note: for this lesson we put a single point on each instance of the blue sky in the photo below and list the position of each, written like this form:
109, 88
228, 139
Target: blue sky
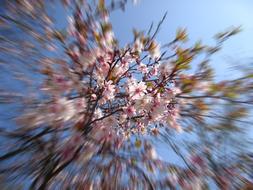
202, 18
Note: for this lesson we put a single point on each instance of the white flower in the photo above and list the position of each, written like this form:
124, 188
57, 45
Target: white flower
98, 113
80, 104
203, 86
152, 153
120, 69
67, 109
154, 70
122, 118
137, 90
109, 90
144, 102
158, 112
171, 121
87, 59
143, 68
110, 121
176, 91
165, 69
109, 37
71, 25
138, 45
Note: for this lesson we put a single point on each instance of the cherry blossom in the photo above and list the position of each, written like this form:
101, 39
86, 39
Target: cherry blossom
143, 68
137, 90
130, 111
109, 90
155, 51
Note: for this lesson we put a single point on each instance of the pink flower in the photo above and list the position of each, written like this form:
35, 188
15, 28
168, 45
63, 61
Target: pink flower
197, 160
173, 179
130, 111
173, 123
138, 46
87, 59
151, 152
122, 118
143, 68
102, 69
98, 113
120, 69
107, 40
103, 66
71, 26
80, 104
158, 109
119, 141
109, 90
110, 121
203, 86
154, 70
165, 69
176, 91
137, 90
61, 83
93, 96
128, 58
144, 103
67, 111
173, 111
157, 112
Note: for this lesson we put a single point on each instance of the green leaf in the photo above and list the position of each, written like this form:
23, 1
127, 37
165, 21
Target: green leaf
231, 94
137, 143
101, 5
181, 35
198, 47
133, 161
249, 76
106, 27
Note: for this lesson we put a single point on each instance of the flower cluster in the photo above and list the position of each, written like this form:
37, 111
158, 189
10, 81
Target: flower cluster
108, 89
93, 100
